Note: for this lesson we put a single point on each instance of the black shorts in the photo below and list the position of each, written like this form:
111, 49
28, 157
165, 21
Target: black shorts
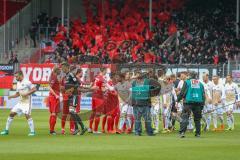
73, 100
174, 108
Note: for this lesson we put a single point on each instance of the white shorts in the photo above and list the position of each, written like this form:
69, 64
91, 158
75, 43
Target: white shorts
22, 108
155, 109
130, 110
179, 107
207, 108
165, 111
126, 109
229, 108
218, 109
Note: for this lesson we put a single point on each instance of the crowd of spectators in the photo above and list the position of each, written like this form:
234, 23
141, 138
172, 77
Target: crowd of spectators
210, 28
183, 32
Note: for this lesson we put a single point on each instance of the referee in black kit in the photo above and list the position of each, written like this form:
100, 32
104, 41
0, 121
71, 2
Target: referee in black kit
71, 86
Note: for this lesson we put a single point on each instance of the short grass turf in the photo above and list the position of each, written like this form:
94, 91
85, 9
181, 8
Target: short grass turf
18, 146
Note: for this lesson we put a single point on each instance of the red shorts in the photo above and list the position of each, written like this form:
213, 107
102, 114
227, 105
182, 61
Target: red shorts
116, 112
54, 104
65, 109
98, 103
112, 103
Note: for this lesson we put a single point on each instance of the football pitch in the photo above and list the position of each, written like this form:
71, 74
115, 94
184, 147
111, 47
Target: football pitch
18, 146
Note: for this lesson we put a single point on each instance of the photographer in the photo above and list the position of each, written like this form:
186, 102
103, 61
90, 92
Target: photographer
194, 98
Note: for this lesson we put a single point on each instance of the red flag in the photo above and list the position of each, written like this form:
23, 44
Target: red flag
148, 35
94, 50
149, 58
139, 38
134, 52
113, 54
99, 40
77, 43
129, 21
137, 16
172, 29
62, 29
126, 35
141, 27
164, 16
216, 59
59, 36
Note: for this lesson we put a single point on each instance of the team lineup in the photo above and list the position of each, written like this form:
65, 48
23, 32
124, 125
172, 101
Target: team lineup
122, 101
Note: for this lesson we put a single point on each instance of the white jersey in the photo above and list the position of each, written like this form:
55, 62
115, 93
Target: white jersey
180, 84
167, 98
22, 88
24, 105
218, 94
231, 92
178, 89
208, 88
123, 90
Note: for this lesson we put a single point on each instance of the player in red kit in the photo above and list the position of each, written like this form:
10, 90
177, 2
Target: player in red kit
54, 94
108, 108
97, 101
112, 105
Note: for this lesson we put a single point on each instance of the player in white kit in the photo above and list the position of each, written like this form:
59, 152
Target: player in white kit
155, 106
123, 88
24, 90
167, 100
232, 97
218, 100
208, 103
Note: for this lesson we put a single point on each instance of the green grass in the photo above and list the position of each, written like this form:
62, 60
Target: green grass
18, 146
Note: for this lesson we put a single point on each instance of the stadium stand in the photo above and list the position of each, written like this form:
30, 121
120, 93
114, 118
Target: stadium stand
12, 7
118, 32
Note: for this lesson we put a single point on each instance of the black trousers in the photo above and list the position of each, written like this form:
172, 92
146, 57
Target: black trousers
72, 102
197, 113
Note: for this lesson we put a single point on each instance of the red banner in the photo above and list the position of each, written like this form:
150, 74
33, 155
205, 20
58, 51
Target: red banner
37, 73
40, 73
6, 76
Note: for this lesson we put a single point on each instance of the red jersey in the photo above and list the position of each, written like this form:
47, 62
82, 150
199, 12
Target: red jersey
54, 84
97, 96
110, 87
99, 81
111, 100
